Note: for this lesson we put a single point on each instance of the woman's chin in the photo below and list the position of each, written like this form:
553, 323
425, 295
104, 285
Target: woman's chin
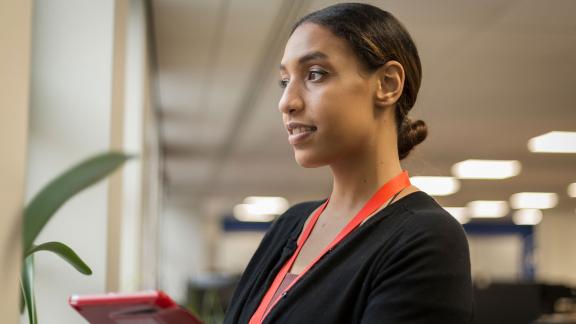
307, 161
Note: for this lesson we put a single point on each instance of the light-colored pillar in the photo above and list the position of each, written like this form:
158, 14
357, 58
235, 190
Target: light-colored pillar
15, 33
115, 207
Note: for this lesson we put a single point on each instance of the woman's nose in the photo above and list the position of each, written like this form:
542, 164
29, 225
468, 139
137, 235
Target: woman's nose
291, 99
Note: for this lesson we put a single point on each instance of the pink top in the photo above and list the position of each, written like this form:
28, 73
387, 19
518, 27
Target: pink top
285, 283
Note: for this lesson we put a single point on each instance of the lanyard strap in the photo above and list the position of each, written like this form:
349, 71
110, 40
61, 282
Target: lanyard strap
389, 189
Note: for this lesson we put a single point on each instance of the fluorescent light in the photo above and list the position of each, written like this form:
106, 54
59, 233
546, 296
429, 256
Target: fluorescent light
527, 217
268, 205
572, 190
436, 186
486, 169
487, 208
251, 213
539, 200
553, 142
460, 213
260, 209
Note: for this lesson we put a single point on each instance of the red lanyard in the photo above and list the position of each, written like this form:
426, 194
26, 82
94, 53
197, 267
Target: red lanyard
388, 190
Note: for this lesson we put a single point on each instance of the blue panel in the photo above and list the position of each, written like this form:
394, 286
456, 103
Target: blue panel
497, 229
231, 224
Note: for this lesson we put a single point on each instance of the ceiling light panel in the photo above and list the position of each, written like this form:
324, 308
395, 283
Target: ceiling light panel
572, 190
488, 208
251, 213
553, 142
460, 213
527, 217
260, 209
486, 169
436, 186
540, 200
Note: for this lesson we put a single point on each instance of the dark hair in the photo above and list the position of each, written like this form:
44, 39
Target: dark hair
377, 37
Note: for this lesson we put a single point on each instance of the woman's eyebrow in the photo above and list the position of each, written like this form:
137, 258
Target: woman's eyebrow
308, 57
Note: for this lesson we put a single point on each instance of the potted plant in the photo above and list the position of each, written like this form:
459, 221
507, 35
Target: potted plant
41, 209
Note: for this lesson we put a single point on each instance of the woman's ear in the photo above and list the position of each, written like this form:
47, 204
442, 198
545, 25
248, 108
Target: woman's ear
390, 83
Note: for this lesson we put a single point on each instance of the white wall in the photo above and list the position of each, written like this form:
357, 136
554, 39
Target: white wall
70, 120
555, 248
236, 249
496, 257
182, 248
499, 257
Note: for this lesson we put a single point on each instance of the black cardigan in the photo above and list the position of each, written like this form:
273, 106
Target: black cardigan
409, 263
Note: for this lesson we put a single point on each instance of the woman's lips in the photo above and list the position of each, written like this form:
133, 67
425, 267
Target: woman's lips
299, 138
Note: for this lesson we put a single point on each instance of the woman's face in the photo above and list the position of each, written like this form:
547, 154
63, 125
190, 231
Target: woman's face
325, 86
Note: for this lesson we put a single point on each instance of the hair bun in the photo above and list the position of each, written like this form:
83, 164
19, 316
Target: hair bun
410, 135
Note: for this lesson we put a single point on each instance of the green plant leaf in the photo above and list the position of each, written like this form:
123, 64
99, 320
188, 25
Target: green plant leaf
58, 191
65, 253
27, 287
22, 302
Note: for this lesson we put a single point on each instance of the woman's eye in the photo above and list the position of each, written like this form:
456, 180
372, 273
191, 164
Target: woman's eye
283, 83
315, 75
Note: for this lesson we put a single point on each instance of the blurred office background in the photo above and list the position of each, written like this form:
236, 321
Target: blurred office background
190, 87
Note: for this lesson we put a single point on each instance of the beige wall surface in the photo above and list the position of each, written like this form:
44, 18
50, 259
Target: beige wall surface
15, 26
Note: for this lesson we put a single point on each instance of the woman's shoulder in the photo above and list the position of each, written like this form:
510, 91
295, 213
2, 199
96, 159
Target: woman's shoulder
424, 211
424, 220
426, 236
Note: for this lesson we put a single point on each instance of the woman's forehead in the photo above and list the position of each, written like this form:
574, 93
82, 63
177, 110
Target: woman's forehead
311, 41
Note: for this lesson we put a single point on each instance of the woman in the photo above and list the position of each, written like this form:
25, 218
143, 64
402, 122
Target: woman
378, 250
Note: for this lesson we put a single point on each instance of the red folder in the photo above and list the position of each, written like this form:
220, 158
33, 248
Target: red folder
154, 307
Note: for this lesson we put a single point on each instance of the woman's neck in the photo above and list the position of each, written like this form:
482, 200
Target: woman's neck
357, 179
